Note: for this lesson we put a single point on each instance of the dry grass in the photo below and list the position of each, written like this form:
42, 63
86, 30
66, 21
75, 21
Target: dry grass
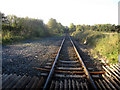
104, 44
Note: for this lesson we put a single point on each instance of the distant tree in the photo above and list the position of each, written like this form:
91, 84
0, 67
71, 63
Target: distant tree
97, 27
72, 28
78, 28
3, 18
60, 28
66, 29
0, 22
54, 27
118, 28
12, 20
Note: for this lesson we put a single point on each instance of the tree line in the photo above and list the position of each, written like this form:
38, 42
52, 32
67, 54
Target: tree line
97, 27
13, 26
18, 27
31, 26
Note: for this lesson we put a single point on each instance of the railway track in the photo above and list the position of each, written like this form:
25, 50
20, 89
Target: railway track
67, 70
68, 64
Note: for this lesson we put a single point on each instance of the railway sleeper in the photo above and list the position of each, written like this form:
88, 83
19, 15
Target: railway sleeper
108, 81
69, 68
68, 84
63, 61
65, 75
13, 82
68, 65
64, 68
97, 76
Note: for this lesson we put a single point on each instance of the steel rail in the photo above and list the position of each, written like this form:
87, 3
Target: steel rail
85, 69
53, 67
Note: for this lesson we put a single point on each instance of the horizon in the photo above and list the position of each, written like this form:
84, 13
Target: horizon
95, 12
57, 20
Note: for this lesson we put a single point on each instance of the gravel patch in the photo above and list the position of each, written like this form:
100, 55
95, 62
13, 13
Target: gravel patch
22, 57
85, 55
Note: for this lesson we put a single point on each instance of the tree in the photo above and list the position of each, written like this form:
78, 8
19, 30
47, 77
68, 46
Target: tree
72, 28
3, 18
54, 27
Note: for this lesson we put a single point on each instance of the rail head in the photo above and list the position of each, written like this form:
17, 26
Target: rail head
53, 67
85, 69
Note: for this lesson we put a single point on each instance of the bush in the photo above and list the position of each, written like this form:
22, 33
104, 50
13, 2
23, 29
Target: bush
16, 28
104, 44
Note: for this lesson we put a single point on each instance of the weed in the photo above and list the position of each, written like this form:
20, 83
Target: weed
104, 44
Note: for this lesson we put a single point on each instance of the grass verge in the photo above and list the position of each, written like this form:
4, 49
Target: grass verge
100, 44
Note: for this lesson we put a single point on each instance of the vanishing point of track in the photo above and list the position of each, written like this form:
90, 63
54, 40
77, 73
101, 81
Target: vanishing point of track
74, 68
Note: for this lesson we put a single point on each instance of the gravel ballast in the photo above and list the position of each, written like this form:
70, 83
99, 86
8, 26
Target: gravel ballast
22, 57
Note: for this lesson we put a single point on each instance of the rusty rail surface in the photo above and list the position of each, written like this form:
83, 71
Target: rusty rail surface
85, 69
53, 67
109, 81
80, 59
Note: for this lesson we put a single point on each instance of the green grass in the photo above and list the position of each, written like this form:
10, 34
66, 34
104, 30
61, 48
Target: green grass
100, 43
9, 38
119, 44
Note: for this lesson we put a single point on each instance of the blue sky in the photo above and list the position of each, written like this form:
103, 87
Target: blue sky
65, 11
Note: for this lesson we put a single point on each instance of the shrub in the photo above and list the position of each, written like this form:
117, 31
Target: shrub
104, 44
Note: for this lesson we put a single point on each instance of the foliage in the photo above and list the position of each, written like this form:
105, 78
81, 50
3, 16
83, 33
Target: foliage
72, 28
100, 43
119, 43
15, 28
1, 27
54, 27
97, 27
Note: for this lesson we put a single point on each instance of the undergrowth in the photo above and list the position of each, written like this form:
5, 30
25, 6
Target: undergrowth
9, 38
100, 44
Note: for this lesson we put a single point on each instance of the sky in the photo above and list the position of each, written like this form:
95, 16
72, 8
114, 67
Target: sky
87, 12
